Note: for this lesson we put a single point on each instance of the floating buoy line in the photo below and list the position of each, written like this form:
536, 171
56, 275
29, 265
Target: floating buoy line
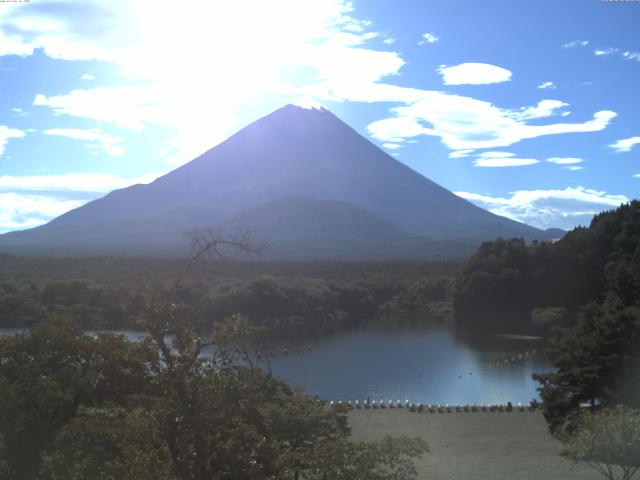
431, 408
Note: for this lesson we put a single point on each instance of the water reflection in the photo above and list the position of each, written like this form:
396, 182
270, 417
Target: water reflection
430, 365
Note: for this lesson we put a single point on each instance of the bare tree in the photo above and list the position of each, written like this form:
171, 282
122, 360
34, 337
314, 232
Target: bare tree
213, 242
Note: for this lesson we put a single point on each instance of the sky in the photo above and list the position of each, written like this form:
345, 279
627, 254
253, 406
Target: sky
528, 109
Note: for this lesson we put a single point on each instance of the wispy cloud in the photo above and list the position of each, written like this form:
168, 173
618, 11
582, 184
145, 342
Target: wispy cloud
392, 146
625, 54
576, 43
87, 76
126, 107
564, 160
544, 108
460, 153
632, 56
6, 134
625, 144
502, 159
473, 74
22, 211
70, 182
549, 208
29, 201
465, 123
98, 139
428, 38
547, 86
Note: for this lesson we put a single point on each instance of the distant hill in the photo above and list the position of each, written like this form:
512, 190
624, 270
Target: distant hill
298, 178
509, 286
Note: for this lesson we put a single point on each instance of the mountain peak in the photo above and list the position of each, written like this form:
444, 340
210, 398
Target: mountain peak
298, 150
307, 104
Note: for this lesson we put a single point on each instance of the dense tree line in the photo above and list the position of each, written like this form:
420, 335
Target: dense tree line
506, 281
587, 285
133, 271
294, 304
75, 406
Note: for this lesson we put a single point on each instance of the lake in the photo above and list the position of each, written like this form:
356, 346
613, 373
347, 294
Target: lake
429, 365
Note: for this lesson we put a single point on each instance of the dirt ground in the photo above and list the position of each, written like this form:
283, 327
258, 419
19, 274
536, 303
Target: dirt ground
470, 446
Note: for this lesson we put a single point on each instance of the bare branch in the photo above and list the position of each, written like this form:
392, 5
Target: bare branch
214, 242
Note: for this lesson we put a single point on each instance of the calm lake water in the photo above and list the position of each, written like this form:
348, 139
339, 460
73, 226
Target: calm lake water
428, 365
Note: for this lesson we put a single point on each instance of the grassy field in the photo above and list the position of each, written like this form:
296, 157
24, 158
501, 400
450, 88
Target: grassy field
482, 446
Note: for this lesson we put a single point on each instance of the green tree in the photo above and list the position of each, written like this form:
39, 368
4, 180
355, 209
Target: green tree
108, 444
47, 374
185, 403
597, 362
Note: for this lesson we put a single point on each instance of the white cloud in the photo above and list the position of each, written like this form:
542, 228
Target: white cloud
625, 144
29, 201
21, 211
573, 168
627, 55
564, 160
549, 208
389, 41
505, 162
87, 76
460, 153
465, 123
544, 108
547, 86
637, 175
70, 182
6, 134
428, 38
632, 56
391, 146
282, 51
605, 51
473, 74
576, 43
502, 159
104, 141
126, 107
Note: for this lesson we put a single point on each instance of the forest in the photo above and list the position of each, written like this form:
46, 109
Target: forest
75, 406
583, 293
294, 298
508, 284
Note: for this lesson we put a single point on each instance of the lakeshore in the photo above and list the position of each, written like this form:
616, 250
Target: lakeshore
483, 446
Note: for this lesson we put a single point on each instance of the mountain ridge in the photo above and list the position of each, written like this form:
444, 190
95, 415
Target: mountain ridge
291, 153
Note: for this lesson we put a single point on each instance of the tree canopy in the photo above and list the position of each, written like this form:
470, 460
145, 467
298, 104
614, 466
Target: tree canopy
184, 403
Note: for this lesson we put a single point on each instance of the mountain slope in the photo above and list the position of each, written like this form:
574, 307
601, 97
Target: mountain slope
290, 153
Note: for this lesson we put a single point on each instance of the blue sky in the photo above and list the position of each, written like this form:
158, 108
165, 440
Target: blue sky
528, 109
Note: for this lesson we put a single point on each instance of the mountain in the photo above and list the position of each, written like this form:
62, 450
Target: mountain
299, 178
